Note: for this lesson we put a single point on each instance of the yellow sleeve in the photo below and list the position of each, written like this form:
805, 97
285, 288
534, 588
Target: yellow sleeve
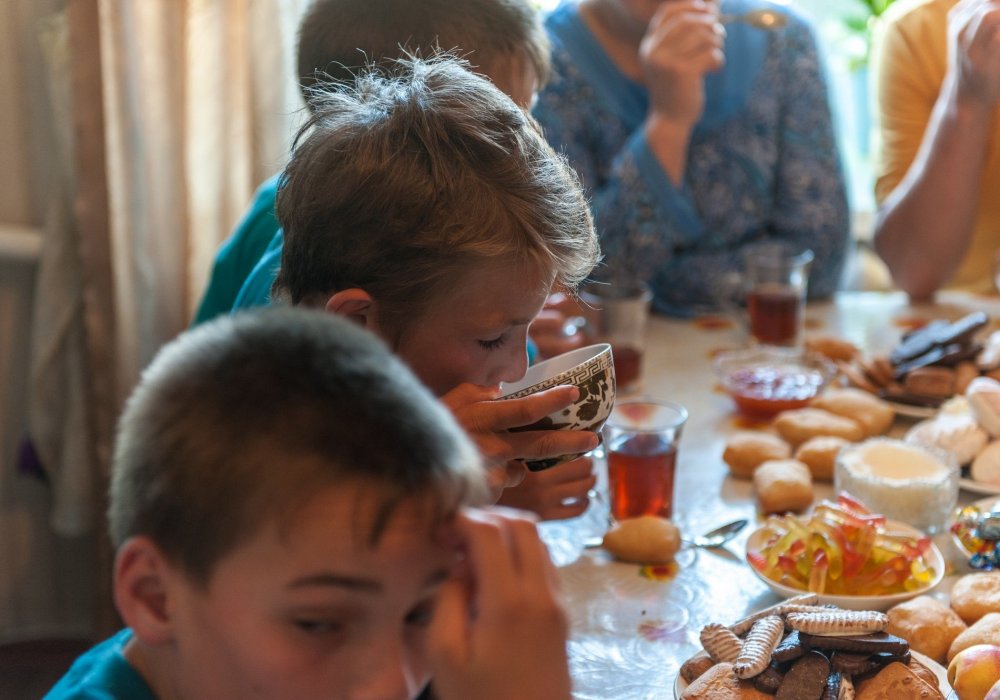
910, 61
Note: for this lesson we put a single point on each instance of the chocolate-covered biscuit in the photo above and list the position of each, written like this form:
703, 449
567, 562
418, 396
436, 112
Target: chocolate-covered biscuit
805, 679
864, 664
790, 648
877, 643
942, 355
769, 680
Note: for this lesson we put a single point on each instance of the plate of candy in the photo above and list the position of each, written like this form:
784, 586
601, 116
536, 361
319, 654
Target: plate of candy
847, 555
976, 531
797, 649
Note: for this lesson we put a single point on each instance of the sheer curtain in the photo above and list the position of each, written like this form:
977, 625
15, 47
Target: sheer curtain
172, 111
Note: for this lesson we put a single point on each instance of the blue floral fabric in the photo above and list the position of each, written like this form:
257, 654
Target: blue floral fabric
762, 162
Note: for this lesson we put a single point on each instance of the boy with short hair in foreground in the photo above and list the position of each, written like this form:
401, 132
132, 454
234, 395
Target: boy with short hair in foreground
288, 506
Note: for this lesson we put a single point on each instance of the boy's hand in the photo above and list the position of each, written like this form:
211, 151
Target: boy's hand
556, 493
499, 630
487, 422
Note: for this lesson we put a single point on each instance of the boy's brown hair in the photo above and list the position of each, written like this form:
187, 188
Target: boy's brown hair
402, 182
338, 38
241, 420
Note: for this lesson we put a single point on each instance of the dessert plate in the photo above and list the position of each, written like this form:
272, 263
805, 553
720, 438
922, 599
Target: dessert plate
979, 487
937, 669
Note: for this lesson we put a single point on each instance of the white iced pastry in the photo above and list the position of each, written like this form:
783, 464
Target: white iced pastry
989, 356
986, 465
983, 395
958, 433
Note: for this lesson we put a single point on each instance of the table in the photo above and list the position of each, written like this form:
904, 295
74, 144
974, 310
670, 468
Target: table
632, 627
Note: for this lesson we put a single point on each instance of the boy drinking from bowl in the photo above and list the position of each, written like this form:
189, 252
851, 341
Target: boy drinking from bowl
422, 203
287, 505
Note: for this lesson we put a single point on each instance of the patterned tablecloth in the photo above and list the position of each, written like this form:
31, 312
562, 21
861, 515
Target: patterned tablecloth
632, 627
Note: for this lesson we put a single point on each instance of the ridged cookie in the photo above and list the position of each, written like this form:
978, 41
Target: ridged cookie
761, 640
838, 624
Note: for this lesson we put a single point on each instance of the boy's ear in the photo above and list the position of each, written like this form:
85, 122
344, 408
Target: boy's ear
357, 305
143, 589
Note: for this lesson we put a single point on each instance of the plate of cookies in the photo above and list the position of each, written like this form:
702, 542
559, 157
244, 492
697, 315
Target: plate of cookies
799, 649
929, 365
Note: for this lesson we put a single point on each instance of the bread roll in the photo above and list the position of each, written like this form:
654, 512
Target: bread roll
783, 485
974, 595
643, 540
874, 414
801, 424
927, 624
820, 455
986, 630
747, 450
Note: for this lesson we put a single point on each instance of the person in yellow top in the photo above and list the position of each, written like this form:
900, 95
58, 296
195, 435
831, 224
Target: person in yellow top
938, 176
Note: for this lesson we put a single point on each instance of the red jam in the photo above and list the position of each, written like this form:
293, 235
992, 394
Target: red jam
766, 390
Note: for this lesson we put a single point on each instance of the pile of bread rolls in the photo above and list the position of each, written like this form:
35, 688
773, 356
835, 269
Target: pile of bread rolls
804, 445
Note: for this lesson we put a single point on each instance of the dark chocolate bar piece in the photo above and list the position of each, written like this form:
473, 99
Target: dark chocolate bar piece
877, 643
918, 342
939, 355
790, 648
805, 679
938, 333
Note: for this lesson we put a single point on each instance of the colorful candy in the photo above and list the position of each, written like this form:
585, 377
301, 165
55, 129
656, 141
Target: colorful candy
978, 534
842, 549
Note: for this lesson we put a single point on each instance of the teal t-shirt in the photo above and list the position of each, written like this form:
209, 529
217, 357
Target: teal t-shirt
240, 253
256, 290
102, 673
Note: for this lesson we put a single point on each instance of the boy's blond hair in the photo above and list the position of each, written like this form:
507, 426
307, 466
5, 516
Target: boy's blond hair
241, 420
337, 38
402, 182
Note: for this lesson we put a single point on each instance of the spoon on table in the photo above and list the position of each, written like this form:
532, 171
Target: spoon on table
711, 539
760, 18
717, 537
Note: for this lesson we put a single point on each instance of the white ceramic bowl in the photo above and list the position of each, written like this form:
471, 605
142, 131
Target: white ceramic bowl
592, 371
854, 602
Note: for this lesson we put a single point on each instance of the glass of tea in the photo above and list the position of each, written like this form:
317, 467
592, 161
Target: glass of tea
775, 282
641, 439
618, 314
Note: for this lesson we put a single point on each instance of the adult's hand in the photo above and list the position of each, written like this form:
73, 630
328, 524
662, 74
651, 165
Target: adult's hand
499, 629
974, 46
488, 421
684, 42
556, 493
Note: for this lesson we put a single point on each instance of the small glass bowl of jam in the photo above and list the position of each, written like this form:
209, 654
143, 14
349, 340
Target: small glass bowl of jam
767, 380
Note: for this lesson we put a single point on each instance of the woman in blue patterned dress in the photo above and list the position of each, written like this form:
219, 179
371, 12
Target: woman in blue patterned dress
695, 142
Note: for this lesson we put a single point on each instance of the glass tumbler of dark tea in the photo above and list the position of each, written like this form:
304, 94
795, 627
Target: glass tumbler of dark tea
641, 438
618, 314
776, 280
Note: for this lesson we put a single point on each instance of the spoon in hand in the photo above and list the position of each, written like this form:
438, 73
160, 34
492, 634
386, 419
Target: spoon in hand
760, 19
711, 539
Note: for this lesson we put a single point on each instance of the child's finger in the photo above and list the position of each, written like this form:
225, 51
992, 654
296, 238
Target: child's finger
449, 629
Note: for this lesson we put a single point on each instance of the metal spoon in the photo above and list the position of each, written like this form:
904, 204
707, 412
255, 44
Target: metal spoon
760, 18
717, 537
711, 539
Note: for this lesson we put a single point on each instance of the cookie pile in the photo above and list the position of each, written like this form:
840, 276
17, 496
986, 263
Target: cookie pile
797, 650
930, 364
